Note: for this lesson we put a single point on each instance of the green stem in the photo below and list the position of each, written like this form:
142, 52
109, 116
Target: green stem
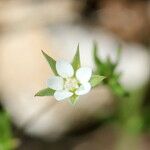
130, 120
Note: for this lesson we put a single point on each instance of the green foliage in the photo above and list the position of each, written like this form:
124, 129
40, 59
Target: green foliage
128, 113
76, 60
107, 68
146, 117
96, 80
45, 92
146, 107
6, 142
51, 62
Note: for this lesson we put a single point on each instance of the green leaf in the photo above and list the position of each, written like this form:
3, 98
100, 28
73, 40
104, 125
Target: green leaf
119, 51
117, 88
45, 92
100, 65
96, 79
76, 60
51, 62
118, 56
6, 139
95, 52
74, 99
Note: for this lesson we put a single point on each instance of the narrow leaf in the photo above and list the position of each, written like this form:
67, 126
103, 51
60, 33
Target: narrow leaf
96, 79
95, 53
76, 60
45, 92
119, 50
51, 62
118, 56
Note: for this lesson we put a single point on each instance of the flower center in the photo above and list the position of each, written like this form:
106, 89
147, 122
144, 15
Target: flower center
71, 84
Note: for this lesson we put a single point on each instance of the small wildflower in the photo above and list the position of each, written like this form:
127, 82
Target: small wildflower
70, 79
68, 82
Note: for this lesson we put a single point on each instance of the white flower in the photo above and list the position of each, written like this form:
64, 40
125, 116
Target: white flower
68, 82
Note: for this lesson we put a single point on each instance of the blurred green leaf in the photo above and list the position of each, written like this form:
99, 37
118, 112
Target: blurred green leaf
76, 60
45, 92
107, 68
119, 50
117, 88
96, 80
51, 62
146, 117
6, 141
95, 50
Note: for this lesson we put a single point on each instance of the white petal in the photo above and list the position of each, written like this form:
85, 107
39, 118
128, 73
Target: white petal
83, 89
64, 69
55, 83
84, 74
61, 95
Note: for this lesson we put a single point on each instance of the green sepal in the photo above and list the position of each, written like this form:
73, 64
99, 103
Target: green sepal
51, 62
96, 79
73, 99
45, 92
76, 60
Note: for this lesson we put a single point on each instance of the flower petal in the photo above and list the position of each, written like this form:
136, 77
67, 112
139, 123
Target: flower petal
64, 69
83, 89
55, 83
62, 94
84, 74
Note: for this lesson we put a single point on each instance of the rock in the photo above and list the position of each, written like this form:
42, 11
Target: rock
24, 71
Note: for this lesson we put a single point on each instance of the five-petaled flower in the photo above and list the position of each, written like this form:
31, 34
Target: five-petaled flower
69, 82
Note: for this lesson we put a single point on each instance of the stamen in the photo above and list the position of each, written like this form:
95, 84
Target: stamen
71, 84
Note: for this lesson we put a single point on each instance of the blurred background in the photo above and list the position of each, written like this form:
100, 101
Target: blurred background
106, 118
